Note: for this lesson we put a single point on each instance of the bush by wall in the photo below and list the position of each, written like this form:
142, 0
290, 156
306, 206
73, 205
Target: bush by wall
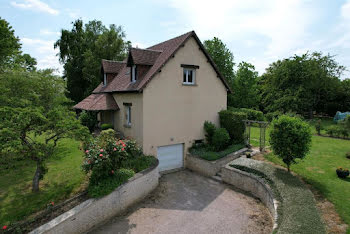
251, 114
106, 126
233, 123
209, 129
221, 139
88, 119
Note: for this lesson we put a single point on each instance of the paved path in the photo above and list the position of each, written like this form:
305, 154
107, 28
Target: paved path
186, 202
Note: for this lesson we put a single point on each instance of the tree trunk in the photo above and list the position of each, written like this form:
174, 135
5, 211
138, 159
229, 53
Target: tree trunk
311, 114
36, 179
288, 166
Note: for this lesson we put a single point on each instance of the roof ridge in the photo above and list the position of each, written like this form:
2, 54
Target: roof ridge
115, 61
160, 51
190, 32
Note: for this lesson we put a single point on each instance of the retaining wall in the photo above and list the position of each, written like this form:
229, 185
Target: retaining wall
93, 212
252, 184
210, 168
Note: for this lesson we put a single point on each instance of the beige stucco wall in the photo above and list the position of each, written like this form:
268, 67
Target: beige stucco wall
136, 129
174, 113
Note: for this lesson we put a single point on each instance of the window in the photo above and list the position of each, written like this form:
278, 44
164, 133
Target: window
104, 79
189, 76
133, 73
127, 114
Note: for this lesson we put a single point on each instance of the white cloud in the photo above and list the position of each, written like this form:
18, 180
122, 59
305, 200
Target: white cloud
47, 32
345, 10
44, 51
279, 27
35, 5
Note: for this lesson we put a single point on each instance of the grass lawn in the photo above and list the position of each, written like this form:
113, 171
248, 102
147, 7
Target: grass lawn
64, 178
207, 154
318, 169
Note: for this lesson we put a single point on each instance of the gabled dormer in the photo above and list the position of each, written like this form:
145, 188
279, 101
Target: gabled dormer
110, 69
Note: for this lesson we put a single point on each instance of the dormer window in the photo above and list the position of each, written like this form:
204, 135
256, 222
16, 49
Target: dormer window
104, 79
133, 74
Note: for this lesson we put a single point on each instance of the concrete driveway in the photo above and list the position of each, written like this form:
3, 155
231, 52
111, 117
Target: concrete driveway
185, 202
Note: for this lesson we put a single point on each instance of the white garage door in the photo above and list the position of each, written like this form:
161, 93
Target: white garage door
170, 157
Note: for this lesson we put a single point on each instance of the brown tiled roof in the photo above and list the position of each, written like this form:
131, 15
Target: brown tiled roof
144, 56
160, 53
98, 102
109, 66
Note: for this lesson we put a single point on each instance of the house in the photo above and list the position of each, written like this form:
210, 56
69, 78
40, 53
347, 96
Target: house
161, 96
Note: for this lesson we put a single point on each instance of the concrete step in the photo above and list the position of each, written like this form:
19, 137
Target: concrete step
217, 178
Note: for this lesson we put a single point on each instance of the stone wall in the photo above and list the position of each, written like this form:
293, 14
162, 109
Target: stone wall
252, 184
93, 212
210, 168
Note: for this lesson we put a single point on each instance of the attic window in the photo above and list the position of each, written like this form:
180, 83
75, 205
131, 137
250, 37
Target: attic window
133, 74
189, 76
104, 79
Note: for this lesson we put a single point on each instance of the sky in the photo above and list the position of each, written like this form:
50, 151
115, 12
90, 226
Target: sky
256, 31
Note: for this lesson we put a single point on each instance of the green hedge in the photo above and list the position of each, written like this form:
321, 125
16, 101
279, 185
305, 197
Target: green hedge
233, 123
106, 126
221, 139
251, 114
209, 129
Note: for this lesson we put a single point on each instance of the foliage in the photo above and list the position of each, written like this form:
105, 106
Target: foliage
245, 93
209, 129
111, 162
81, 50
10, 50
221, 139
342, 172
222, 57
106, 126
139, 163
206, 151
88, 119
347, 155
233, 123
33, 104
318, 126
290, 138
272, 115
251, 114
109, 184
300, 84
337, 130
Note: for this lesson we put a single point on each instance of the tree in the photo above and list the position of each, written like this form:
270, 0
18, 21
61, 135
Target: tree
290, 138
245, 87
301, 84
10, 50
222, 56
81, 50
9, 43
34, 116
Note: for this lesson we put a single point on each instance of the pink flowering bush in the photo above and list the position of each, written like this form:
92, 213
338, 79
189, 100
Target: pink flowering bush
111, 162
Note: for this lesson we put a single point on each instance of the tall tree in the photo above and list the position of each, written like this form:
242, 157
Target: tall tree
10, 50
34, 116
245, 87
301, 84
222, 56
81, 50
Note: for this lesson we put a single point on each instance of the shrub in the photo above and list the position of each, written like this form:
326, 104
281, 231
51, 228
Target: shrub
251, 114
106, 126
272, 115
336, 130
105, 137
318, 126
221, 139
88, 119
342, 172
107, 185
233, 123
139, 164
209, 129
347, 155
290, 138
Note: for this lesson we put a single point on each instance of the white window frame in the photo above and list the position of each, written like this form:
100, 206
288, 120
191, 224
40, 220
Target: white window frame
128, 115
193, 76
133, 74
104, 79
